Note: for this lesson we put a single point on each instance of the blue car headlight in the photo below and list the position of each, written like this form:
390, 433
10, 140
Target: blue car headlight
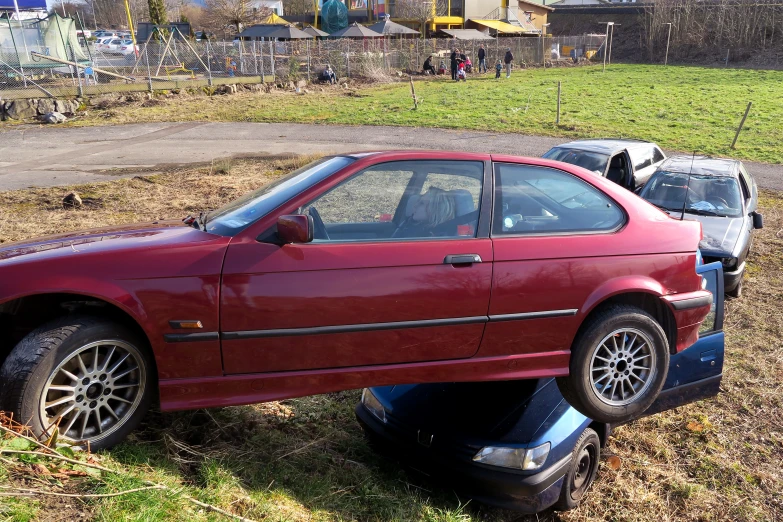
527, 459
373, 405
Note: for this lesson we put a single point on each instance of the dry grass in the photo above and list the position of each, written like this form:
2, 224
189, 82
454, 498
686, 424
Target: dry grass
305, 459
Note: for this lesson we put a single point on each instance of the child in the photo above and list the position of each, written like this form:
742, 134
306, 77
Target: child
461, 71
442, 67
498, 68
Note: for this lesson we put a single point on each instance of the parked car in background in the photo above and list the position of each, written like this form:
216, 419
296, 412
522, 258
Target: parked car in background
519, 444
128, 49
719, 193
84, 33
357, 270
104, 34
629, 163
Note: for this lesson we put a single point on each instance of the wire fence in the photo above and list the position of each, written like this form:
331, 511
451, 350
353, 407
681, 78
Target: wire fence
173, 63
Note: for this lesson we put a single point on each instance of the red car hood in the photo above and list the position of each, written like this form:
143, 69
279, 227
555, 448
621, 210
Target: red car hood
122, 234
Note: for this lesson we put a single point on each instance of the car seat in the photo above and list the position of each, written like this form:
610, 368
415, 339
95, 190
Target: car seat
616, 172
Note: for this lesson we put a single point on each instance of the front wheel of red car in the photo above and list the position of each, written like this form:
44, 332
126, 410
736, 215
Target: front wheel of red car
619, 363
89, 378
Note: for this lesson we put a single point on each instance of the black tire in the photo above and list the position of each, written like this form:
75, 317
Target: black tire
34, 364
589, 399
582, 472
737, 292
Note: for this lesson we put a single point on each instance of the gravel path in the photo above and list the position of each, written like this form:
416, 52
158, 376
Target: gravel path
50, 156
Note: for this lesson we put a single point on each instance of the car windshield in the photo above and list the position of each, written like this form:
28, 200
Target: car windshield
707, 195
237, 215
587, 160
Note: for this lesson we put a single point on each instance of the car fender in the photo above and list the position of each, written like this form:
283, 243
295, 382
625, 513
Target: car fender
621, 285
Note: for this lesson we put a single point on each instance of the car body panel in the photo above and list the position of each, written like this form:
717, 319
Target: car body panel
523, 414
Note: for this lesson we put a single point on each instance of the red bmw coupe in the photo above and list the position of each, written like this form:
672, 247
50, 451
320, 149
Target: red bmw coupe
357, 270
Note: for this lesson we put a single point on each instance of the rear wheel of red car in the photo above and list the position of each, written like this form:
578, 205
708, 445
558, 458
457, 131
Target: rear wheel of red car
618, 365
90, 378
583, 470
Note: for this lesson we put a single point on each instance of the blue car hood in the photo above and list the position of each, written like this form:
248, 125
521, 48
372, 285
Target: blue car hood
502, 411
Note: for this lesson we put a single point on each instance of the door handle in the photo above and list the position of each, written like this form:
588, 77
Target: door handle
462, 259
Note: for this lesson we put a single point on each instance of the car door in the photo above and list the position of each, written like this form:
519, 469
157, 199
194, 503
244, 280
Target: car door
645, 159
696, 372
371, 288
552, 235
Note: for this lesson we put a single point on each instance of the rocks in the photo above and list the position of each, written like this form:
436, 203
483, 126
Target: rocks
53, 117
21, 109
72, 200
66, 106
45, 106
301, 84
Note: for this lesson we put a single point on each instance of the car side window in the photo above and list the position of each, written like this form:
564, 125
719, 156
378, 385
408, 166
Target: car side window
709, 324
401, 200
745, 183
540, 200
642, 157
658, 155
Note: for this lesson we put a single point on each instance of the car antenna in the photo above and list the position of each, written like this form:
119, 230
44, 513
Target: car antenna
687, 186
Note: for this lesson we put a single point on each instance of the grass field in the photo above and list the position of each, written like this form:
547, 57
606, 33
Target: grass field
306, 459
682, 108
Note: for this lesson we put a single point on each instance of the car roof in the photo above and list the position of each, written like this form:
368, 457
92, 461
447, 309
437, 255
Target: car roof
604, 145
701, 165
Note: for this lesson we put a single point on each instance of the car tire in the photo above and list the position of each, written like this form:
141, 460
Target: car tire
737, 292
95, 375
582, 472
619, 362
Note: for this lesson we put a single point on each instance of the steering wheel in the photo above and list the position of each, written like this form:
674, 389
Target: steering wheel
719, 199
319, 229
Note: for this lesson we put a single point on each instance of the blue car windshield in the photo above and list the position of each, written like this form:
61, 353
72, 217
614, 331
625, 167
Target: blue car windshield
239, 214
707, 195
587, 160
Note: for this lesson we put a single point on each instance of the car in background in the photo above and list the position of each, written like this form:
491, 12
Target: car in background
110, 45
128, 49
104, 34
519, 444
719, 193
627, 162
356, 270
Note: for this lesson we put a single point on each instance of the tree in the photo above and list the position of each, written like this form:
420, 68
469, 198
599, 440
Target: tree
298, 7
233, 14
419, 10
158, 14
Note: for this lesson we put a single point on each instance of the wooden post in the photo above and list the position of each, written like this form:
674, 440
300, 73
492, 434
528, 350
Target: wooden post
413, 95
557, 121
740, 125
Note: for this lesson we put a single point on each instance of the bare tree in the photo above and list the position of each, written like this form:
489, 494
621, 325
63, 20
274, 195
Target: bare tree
421, 11
298, 7
233, 14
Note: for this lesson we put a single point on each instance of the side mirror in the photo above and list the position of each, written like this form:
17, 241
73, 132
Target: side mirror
295, 228
758, 220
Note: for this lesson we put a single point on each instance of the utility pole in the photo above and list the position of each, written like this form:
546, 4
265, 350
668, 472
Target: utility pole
668, 39
132, 30
608, 43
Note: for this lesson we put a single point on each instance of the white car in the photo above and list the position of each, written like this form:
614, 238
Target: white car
128, 49
110, 45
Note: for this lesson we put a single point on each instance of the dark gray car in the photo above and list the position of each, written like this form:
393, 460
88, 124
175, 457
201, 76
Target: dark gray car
629, 163
723, 196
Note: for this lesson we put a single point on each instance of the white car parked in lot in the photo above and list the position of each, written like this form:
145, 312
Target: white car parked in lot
128, 49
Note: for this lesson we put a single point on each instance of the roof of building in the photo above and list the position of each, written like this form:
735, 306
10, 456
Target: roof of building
279, 31
356, 31
387, 27
314, 32
465, 34
539, 3
499, 26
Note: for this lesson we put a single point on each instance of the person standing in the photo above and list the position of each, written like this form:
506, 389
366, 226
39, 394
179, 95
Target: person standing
454, 57
508, 59
482, 56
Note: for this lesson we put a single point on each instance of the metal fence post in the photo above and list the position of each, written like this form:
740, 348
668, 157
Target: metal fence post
147, 62
263, 76
308, 60
209, 67
272, 58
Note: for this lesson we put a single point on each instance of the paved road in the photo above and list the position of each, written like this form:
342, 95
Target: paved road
50, 156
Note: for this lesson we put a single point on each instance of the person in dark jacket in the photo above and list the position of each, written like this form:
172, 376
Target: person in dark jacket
482, 56
428, 67
508, 60
454, 57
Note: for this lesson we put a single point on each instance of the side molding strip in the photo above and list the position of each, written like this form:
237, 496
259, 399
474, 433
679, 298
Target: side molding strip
533, 315
191, 337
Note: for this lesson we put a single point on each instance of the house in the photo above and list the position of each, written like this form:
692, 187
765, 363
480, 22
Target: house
533, 12
276, 6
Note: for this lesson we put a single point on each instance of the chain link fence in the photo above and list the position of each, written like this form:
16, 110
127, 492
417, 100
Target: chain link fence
111, 67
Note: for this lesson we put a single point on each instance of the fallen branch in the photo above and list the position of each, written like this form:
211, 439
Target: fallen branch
29, 439
57, 456
217, 509
28, 492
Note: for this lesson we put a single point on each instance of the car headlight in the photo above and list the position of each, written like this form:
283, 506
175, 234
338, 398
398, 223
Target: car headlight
372, 404
517, 458
729, 262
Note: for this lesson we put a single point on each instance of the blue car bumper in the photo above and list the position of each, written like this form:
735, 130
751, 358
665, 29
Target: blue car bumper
488, 485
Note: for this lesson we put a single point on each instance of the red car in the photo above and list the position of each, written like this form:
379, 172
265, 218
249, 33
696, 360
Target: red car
357, 270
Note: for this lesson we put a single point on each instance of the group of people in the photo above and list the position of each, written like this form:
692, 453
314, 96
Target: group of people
461, 64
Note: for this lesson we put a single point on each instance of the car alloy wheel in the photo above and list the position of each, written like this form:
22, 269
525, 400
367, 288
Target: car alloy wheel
92, 393
622, 366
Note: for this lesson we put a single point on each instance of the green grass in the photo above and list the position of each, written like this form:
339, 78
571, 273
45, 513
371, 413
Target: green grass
682, 108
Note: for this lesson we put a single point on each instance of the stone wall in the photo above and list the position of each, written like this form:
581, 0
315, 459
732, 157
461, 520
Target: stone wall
35, 108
